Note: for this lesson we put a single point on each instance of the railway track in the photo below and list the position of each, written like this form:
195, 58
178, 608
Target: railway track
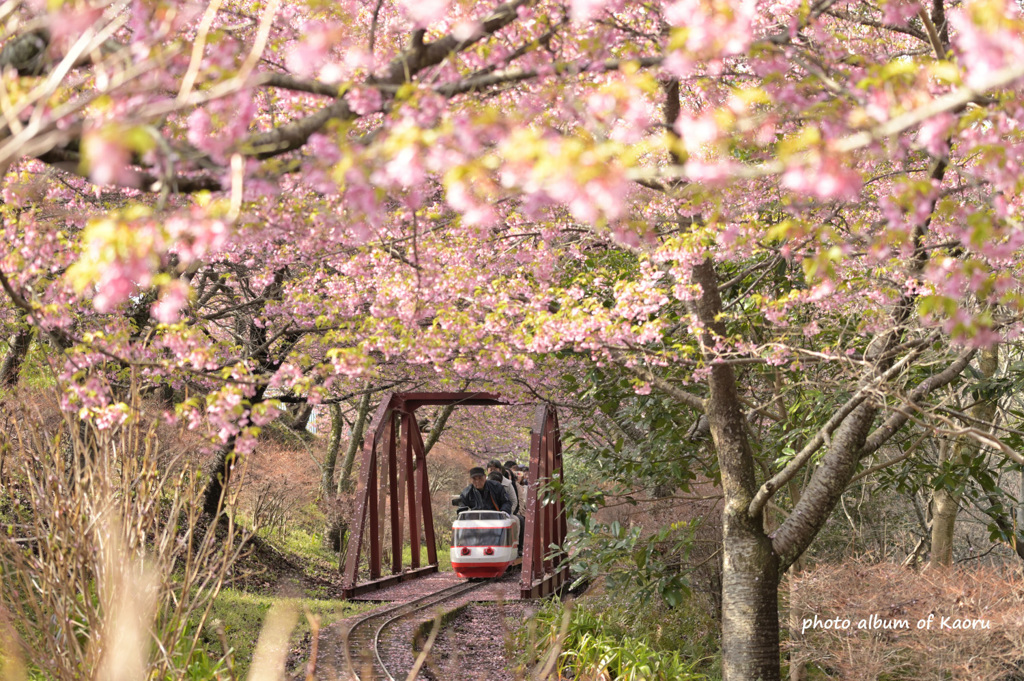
364, 635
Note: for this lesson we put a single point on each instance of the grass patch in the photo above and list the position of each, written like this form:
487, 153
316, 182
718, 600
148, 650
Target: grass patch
306, 546
242, 614
308, 549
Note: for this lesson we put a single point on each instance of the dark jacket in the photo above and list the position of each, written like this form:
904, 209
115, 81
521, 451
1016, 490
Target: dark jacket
490, 498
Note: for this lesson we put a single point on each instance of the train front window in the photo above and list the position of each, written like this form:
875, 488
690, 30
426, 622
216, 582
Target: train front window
480, 536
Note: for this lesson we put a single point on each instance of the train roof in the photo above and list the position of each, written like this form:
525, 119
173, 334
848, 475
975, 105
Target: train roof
491, 516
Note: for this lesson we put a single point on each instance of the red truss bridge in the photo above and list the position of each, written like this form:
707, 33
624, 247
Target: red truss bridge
394, 491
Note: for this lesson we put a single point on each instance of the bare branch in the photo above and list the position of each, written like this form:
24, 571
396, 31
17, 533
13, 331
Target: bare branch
884, 432
770, 487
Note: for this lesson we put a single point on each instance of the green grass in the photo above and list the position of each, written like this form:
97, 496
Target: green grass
307, 546
300, 543
242, 615
442, 557
35, 369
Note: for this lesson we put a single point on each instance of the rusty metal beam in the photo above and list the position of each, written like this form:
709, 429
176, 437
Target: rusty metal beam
408, 426
551, 583
382, 497
562, 529
366, 587
403, 472
413, 401
533, 549
351, 564
379, 421
549, 509
394, 502
369, 463
371, 485
424, 486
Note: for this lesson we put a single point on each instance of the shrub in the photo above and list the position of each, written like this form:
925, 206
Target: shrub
605, 639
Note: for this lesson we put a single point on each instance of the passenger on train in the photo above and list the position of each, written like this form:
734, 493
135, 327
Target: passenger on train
495, 468
483, 494
514, 469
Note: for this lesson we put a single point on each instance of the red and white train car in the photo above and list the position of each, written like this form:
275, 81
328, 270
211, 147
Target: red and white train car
484, 543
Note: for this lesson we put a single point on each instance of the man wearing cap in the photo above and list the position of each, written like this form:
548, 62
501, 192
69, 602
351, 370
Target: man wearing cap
483, 494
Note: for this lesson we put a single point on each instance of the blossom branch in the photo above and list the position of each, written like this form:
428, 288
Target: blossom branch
884, 432
949, 103
682, 396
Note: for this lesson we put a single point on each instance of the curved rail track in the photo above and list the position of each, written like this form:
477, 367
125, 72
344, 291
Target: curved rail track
365, 633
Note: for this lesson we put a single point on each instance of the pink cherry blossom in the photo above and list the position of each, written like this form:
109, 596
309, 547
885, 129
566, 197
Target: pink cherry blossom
425, 12
108, 160
364, 100
827, 180
173, 297
986, 49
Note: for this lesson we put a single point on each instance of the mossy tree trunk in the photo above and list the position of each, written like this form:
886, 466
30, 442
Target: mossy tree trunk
327, 487
750, 614
354, 443
10, 370
946, 498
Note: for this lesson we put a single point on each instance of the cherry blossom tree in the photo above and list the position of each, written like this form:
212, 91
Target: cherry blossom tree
255, 204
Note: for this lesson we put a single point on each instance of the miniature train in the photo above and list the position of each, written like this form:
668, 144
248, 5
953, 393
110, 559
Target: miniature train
484, 543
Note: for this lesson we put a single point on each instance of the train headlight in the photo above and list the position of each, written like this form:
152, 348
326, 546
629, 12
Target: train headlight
488, 551
465, 551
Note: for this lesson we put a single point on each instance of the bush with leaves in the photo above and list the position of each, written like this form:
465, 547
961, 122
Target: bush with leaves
639, 489
605, 638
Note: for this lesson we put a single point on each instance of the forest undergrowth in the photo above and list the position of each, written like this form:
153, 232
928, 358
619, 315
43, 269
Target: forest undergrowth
104, 539
965, 622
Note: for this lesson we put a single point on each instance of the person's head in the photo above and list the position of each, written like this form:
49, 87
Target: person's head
477, 476
494, 465
512, 466
495, 476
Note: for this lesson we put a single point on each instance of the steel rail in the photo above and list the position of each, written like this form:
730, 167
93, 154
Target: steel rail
397, 612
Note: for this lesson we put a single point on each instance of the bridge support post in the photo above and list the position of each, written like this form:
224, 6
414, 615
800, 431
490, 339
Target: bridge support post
544, 572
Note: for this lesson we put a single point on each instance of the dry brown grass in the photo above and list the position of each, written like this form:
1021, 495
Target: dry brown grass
856, 591
108, 568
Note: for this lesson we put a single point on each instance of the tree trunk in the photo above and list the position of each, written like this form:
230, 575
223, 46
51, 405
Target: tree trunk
299, 419
220, 474
337, 532
435, 431
945, 505
327, 487
750, 612
1020, 502
946, 501
797, 665
10, 371
354, 442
